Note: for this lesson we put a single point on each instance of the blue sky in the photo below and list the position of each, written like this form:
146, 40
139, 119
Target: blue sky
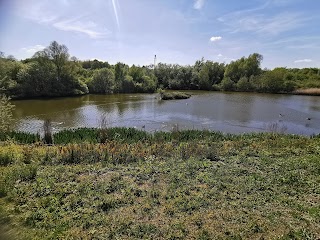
285, 32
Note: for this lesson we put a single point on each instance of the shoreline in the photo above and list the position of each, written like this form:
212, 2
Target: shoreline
127, 134
302, 92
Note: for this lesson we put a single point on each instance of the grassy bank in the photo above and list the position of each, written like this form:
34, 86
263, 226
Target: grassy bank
181, 185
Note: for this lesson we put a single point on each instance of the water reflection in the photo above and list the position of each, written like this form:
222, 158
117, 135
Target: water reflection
226, 112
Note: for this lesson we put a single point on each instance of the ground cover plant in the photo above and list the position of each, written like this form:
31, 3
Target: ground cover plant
179, 185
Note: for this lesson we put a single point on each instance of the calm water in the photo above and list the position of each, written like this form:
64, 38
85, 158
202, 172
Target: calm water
226, 112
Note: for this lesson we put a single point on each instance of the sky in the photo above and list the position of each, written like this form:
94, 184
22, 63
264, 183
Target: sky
285, 32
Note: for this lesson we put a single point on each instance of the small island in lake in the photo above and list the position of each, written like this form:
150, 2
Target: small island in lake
174, 95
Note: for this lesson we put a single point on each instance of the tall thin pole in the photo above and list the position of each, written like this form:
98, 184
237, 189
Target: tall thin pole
155, 61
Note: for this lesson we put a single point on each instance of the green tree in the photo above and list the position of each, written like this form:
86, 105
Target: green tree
35, 80
244, 67
184, 77
120, 71
8, 75
58, 54
162, 73
204, 79
148, 84
272, 81
52, 75
227, 84
251, 66
103, 81
244, 85
128, 84
136, 73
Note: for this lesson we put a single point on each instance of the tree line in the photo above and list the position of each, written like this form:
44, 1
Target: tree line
52, 73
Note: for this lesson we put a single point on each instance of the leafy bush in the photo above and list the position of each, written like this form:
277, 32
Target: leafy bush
227, 84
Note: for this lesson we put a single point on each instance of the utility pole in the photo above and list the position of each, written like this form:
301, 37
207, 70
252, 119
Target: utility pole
155, 62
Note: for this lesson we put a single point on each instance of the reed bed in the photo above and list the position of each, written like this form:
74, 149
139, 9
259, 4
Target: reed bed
128, 135
309, 91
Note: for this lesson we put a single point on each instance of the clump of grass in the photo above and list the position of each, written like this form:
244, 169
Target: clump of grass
5, 159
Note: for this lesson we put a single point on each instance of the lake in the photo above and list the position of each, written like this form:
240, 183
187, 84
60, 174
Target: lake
225, 112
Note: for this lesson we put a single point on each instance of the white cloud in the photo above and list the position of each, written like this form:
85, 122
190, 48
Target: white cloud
198, 4
33, 49
260, 23
280, 3
281, 23
220, 55
259, 20
68, 19
88, 28
36, 11
303, 61
215, 38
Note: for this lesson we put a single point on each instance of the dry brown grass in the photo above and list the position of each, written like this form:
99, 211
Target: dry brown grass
308, 91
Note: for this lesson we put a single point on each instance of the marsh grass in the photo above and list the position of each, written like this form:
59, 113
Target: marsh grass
309, 91
20, 137
192, 185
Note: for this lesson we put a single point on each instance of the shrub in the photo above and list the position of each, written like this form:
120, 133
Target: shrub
244, 85
227, 84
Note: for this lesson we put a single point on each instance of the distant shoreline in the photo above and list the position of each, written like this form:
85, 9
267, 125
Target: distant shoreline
304, 92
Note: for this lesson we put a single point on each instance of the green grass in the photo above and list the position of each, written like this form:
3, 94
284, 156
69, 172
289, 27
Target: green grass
181, 185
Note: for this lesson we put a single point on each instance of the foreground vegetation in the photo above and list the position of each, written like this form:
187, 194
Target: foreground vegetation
52, 73
128, 184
